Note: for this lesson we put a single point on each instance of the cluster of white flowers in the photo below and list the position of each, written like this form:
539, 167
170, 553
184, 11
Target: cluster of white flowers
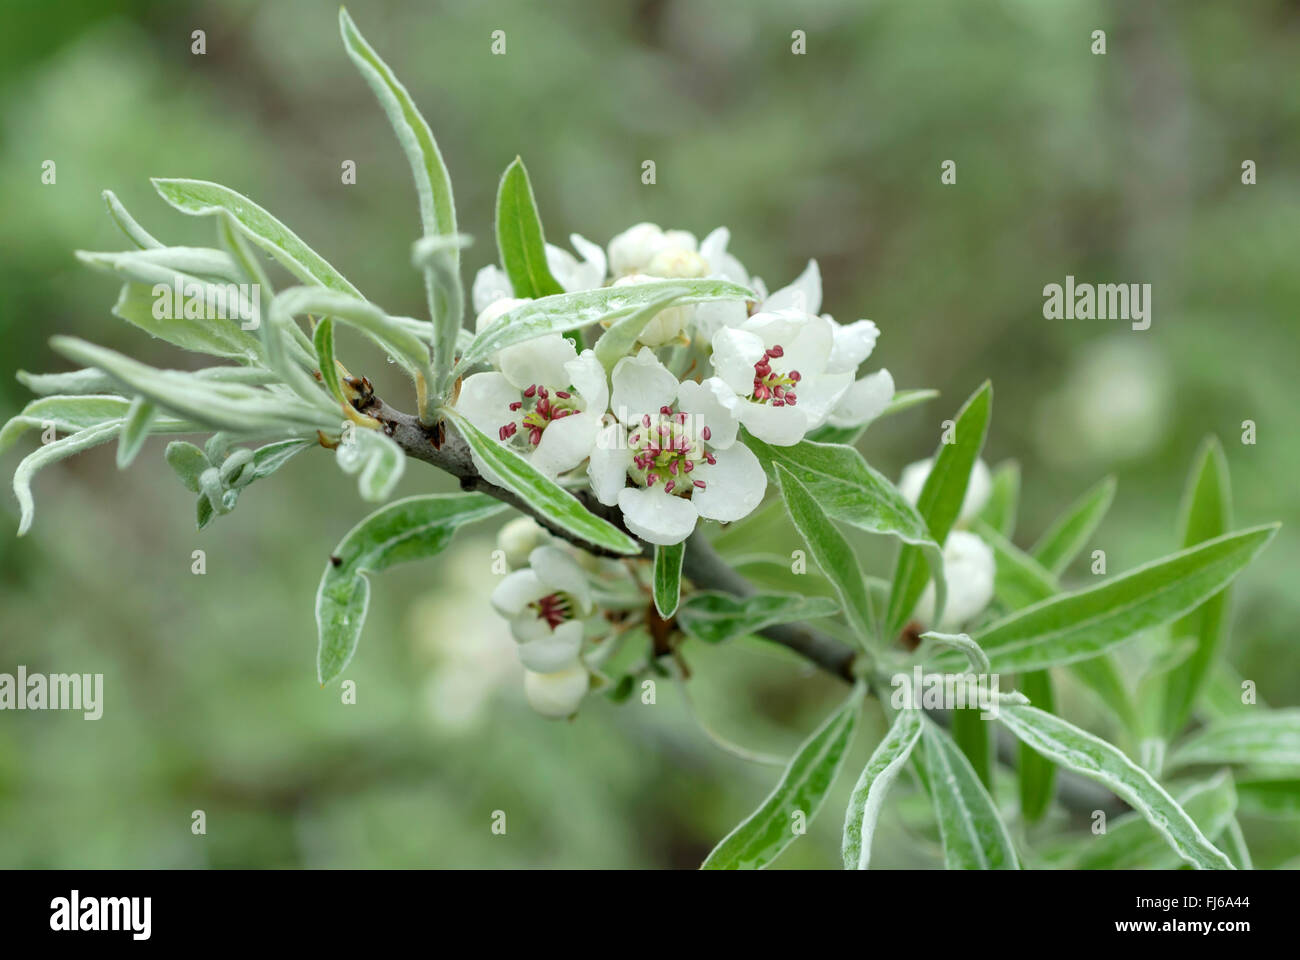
660, 442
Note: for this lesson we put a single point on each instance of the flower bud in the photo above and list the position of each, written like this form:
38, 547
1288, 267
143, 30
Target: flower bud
666, 325
634, 248
675, 262
520, 537
558, 694
968, 568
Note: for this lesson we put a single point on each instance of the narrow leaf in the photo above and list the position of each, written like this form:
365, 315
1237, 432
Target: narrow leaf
52, 453
618, 341
873, 784
1098, 760
541, 492
404, 530
135, 430
1263, 738
668, 578
832, 553
1064, 539
973, 834
1037, 774
1004, 500
127, 223
766, 832
520, 238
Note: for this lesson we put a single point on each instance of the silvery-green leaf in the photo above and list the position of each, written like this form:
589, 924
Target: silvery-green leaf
135, 430
714, 617
201, 198
1269, 796
873, 784
232, 468
1233, 842
1261, 737
573, 311
544, 494
848, 436
323, 341
432, 184
1224, 694
51, 453
520, 238
127, 223
979, 661
1130, 842
232, 241
973, 834
407, 529
1082, 625
1098, 760
668, 577
1004, 500
222, 338
269, 458
1019, 582
848, 489
203, 263
618, 341
766, 832
72, 413
72, 383
832, 553
1036, 775
188, 461
1206, 513
378, 458
222, 406
939, 504
1064, 539
402, 345
438, 257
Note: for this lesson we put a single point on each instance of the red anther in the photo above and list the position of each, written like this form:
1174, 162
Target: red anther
710, 458
791, 399
776, 351
668, 487
778, 391
563, 394
706, 433
681, 417
516, 405
698, 483
688, 466
778, 403
564, 413
531, 391
541, 392
645, 420
672, 468
665, 410
535, 436
503, 434
650, 479
636, 438
794, 376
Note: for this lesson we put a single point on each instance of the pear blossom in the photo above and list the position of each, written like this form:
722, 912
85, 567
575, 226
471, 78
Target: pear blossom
776, 367
557, 694
633, 250
969, 569
671, 457
978, 489
545, 604
545, 400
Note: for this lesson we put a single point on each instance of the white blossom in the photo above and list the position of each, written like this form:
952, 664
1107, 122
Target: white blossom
545, 604
978, 490
969, 569
557, 694
672, 455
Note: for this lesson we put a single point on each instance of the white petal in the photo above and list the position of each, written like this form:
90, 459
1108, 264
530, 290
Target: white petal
655, 516
631, 250
733, 486
978, 491
779, 426
912, 480
557, 694
513, 594
865, 400
853, 344
587, 377
607, 468
805, 294
641, 385
490, 284
818, 395
806, 339
714, 246
556, 650
563, 265
561, 572
540, 360
593, 256
707, 404
708, 318
485, 400
494, 310
566, 443
735, 351
681, 238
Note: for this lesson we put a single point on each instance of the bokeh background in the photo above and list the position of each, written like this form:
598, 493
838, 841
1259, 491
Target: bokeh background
1117, 168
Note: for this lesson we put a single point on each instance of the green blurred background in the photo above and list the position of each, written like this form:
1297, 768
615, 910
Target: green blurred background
1117, 168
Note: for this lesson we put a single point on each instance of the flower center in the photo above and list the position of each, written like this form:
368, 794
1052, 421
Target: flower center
555, 609
772, 386
536, 411
665, 450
